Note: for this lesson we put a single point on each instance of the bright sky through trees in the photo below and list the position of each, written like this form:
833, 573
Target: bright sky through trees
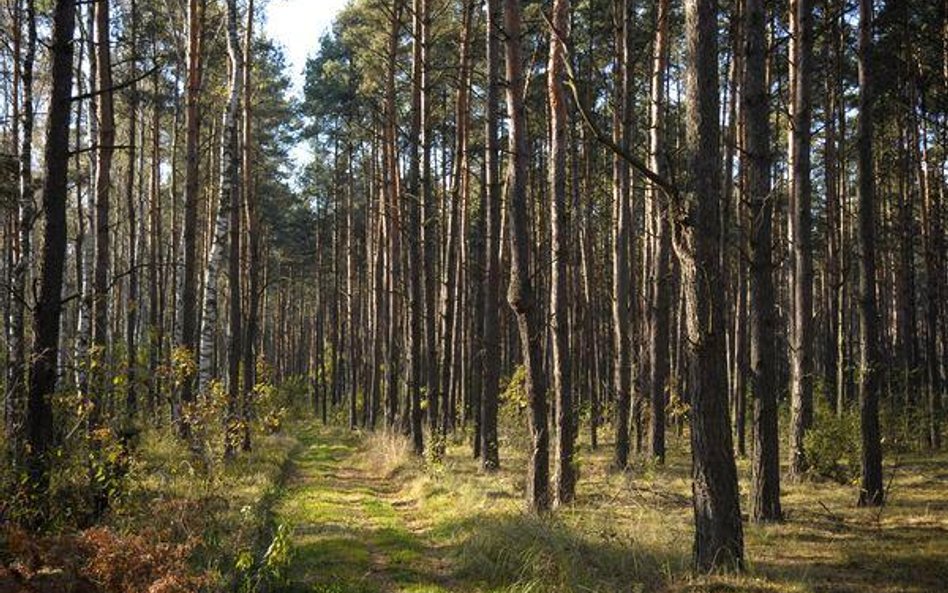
298, 25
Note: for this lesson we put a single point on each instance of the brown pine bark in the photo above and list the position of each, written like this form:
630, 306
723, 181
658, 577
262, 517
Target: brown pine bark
491, 349
621, 243
412, 205
871, 492
16, 387
252, 223
765, 479
131, 321
801, 341
44, 355
520, 292
564, 476
103, 181
189, 288
661, 283
719, 542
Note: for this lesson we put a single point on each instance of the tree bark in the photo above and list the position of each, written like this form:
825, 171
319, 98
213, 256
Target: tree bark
719, 540
801, 342
621, 240
661, 283
189, 290
765, 480
46, 320
17, 388
228, 193
520, 293
871, 492
491, 350
564, 476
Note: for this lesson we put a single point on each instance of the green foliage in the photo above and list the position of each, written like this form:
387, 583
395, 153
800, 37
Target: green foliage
270, 567
513, 393
832, 445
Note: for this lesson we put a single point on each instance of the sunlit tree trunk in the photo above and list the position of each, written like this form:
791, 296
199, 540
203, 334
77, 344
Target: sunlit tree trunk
801, 342
491, 349
520, 292
719, 540
563, 471
661, 283
228, 193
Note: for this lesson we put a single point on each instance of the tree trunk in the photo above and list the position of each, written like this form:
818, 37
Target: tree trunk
801, 342
228, 193
103, 182
412, 203
45, 352
765, 480
661, 283
718, 531
871, 491
131, 321
520, 292
189, 291
16, 388
251, 220
564, 472
621, 240
491, 349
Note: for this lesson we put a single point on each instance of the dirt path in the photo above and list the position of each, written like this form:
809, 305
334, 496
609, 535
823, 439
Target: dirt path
350, 534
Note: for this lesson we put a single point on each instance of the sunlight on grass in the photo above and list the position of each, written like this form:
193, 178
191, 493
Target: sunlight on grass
370, 516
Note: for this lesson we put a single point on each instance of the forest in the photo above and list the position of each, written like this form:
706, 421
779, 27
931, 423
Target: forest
552, 296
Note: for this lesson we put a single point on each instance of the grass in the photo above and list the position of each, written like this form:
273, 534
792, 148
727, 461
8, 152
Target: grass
369, 517
224, 507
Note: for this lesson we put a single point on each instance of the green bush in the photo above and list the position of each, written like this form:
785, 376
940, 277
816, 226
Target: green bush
832, 445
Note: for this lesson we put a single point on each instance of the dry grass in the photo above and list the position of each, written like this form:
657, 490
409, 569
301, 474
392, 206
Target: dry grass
375, 518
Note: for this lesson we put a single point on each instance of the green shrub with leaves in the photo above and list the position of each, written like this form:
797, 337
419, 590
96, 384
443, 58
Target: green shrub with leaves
832, 445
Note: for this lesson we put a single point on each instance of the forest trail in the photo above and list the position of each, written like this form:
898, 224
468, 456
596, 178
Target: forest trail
350, 532
367, 517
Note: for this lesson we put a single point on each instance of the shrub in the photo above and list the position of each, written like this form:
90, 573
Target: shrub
832, 445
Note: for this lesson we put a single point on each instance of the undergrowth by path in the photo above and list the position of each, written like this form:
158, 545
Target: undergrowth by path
368, 517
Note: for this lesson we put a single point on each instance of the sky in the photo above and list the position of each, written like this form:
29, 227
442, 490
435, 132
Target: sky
298, 25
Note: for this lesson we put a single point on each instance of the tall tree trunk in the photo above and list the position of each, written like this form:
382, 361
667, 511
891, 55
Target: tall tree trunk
564, 473
520, 293
833, 220
412, 203
131, 321
718, 532
801, 342
16, 391
252, 223
228, 193
45, 352
871, 492
491, 349
765, 480
103, 181
450, 274
392, 227
189, 291
661, 283
155, 292
621, 241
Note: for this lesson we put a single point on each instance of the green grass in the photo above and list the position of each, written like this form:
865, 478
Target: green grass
369, 517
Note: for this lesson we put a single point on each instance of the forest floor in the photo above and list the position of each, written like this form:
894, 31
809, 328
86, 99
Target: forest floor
367, 517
